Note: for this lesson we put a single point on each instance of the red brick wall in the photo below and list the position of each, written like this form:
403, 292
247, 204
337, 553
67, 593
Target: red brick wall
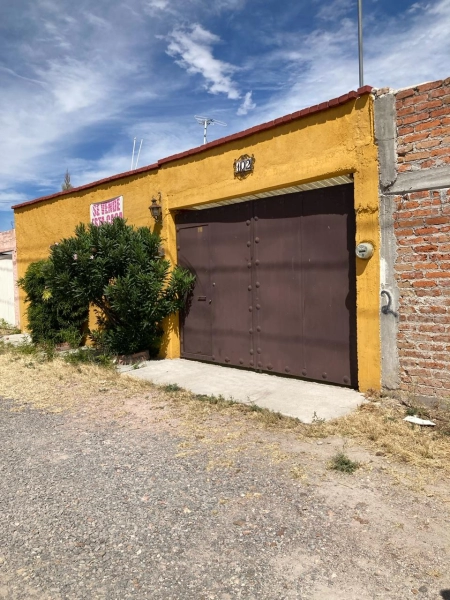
422, 229
423, 126
422, 226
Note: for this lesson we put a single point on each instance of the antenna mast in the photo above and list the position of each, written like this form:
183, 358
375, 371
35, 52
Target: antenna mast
134, 164
206, 121
360, 44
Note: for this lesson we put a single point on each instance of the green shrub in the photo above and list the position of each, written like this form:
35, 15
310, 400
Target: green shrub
117, 269
54, 314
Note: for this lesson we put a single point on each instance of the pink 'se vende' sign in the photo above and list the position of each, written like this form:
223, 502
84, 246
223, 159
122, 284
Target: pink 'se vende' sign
106, 212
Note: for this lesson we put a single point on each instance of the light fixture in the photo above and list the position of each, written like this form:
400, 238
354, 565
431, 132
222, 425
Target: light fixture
156, 208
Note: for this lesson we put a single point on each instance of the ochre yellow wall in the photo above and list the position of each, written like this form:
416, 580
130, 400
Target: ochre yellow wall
337, 141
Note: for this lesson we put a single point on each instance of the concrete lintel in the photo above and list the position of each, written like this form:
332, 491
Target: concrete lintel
417, 181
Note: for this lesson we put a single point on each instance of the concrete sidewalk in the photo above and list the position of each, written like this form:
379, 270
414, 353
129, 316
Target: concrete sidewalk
290, 397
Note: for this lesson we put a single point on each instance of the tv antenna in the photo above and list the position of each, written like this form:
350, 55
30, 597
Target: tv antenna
132, 156
206, 121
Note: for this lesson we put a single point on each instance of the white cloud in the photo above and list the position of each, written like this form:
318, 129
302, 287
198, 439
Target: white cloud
247, 105
331, 11
192, 49
8, 198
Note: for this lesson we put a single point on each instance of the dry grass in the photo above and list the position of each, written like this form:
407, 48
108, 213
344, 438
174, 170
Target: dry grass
57, 386
7, 329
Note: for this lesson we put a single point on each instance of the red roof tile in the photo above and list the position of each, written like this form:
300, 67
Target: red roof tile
352, 95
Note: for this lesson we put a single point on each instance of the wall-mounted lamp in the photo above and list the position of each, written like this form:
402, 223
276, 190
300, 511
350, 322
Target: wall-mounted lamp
156, 208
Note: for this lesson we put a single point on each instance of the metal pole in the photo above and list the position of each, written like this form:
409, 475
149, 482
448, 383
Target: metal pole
205, 128
360, 44
132, 156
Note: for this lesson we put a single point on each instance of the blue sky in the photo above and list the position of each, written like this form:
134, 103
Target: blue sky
79, 80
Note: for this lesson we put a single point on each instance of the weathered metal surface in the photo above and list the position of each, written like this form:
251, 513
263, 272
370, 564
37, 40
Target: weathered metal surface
194, 254
329, 285
278, 275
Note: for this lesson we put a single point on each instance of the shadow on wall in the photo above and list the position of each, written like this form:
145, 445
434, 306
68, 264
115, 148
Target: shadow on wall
445, 594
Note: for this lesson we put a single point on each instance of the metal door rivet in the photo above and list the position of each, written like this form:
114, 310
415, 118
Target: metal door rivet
304, 372
258, 350
256, 262
251, 363
249, 244
257, 284
178, 229
256, 218
227, 359
247, 222
324, 375
251, 352
258, 328
257, 240
249, 288
241, 362
259, 364
346, 380
213, 357
258, 306
269, 367
178, 247
214, 284
249, 264
250, 308
287, 369
250, 330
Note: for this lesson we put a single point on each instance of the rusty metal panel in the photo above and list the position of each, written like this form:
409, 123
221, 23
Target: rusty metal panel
278, 284
329, 285
193, 242
231, 248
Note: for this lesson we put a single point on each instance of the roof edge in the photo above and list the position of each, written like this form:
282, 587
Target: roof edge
334, 102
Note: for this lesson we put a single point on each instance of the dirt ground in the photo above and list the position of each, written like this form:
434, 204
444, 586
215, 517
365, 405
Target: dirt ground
199, 498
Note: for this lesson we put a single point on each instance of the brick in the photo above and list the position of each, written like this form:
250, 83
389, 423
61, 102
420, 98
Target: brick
411, 205
427, 144
414, 137
404, 130
425, 230
427, 164
429, 104
402, 150
440, 132
413, 223
414, 118
415, 99
437, 275
432, 85
424, 283
419, 195
418, 155
407, 110
428, 125
404, 168
440, 152
404, 94
425, 265
437, 220
439, 113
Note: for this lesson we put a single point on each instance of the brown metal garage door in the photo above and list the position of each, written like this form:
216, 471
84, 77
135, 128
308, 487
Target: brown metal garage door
275, 288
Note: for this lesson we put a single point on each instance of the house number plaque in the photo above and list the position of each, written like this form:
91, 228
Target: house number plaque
243, 166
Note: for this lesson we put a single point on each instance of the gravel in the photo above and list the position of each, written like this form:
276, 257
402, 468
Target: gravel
104, 510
